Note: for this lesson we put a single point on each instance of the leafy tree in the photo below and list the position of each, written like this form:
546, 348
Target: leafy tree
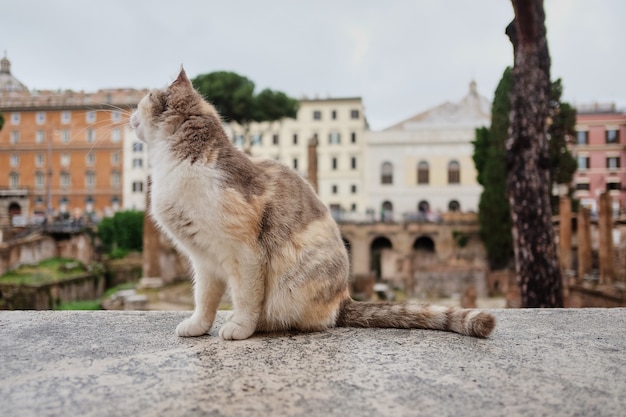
489, 154
1, 121
234, 97
123, 232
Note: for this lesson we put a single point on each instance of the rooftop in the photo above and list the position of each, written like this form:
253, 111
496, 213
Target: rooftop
537, 362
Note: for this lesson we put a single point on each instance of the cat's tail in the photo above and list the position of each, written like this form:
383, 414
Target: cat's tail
415, 316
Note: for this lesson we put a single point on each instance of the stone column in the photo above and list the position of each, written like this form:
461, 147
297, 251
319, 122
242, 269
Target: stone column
584, 242
565, 233
312, 163
605, 230
151, 241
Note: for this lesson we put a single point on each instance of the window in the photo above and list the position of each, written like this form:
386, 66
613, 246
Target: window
353, 137
334, 138
15, 160
354, 114
90, 159
612, 136
137, 162
115, 158
295, 138
15, 137
40, 159
353, 162
116, 135
65, 159
41, 117
454, 172
454, 206
582, 186
353, 189
66, 117
239, 140
90, 116
333, 114
257, 139
317, 115
90, 179
40, 137
65, 179
115, 179
14, 180
423, 173
15, 118
275, 140
582, 137
137, 187
334, 189
613, 185
40, 179
386, 173
65, 136
116, 116
353, 207
137, 147
612, 162
91, 136
333, 163
583, 163
295, 163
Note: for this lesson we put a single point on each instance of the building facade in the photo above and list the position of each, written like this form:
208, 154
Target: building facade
64, 147
600, 149
423, 166
338, 125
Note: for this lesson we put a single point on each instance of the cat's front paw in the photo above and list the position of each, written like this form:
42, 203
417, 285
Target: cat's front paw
235, 331
191, 327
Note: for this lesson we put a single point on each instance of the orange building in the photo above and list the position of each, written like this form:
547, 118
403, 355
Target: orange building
63, 147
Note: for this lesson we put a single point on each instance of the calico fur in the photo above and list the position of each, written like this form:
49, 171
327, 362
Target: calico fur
258, 228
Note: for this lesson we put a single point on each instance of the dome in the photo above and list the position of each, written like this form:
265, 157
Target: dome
8, 83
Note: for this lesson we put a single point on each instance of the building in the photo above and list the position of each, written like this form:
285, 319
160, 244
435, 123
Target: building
600, 148
135, 155
339, 126
423, 166
64, 147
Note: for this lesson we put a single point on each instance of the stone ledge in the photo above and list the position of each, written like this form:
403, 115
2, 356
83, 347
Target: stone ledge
120, 363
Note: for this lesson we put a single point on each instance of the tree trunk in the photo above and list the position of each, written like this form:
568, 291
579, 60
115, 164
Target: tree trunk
527, 160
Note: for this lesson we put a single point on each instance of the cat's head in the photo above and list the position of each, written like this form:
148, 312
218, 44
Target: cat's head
162, 111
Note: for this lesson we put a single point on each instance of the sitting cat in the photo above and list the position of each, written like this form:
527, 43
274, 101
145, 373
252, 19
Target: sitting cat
258, 228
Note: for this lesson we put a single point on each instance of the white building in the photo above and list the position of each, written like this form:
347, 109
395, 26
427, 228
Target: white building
423, 165
339, 125
135, 160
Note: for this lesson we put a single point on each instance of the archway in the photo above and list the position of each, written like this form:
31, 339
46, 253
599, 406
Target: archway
348, 245
15, 209
424, 243
376, 248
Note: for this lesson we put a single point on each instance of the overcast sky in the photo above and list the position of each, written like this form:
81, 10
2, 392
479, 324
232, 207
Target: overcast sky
401, 56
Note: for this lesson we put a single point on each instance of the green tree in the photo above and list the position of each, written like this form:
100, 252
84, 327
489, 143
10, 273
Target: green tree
123, 232
489, 155
1, 121
234, 98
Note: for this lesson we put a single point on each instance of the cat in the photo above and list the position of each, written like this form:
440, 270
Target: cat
258, 228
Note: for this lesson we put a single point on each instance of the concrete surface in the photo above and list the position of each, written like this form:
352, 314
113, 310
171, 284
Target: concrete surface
120, 363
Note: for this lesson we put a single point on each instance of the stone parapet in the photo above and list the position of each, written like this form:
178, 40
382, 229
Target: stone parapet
537, 362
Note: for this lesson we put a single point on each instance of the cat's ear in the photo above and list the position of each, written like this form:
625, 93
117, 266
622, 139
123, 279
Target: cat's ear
182, 79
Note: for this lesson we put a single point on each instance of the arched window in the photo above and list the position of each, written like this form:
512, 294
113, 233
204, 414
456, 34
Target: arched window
387, 211
454, 172
386, 173
423, 173
454, 205
14, 180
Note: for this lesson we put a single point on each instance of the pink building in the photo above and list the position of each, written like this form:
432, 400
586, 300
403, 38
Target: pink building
600, 146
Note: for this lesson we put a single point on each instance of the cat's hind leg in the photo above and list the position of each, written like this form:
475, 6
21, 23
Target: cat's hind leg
208, 291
